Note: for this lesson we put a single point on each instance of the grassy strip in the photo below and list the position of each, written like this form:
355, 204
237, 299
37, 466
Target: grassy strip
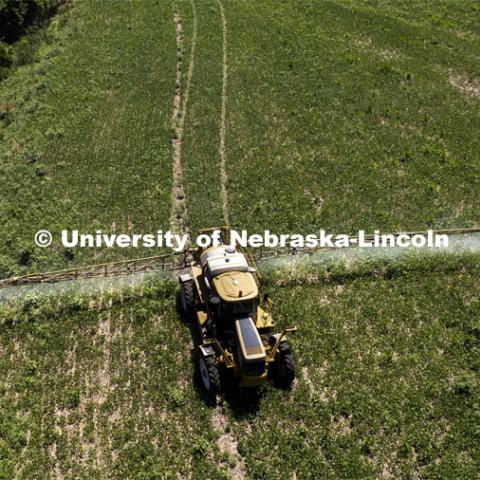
201, 162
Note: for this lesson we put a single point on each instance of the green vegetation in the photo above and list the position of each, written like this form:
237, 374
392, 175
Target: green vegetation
340, 115
345, 117
388, 385
372, 105
100, 387
455, 17
86, 133
21, 31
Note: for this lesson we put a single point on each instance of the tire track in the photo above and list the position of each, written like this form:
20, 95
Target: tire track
20, 460
179, 214
104, 387
57, 473
90, 450
223, 118
11, 395
61, 415
228, 444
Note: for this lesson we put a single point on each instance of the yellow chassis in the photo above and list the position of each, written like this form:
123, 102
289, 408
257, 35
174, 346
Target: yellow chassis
264, 323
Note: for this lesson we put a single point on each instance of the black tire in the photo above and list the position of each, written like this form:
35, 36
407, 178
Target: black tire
188, 298
284, 366
209, 374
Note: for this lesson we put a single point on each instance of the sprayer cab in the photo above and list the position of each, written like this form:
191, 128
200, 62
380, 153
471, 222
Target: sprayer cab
221, 294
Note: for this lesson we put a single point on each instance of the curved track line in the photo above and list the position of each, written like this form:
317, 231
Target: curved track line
190, 65
178, 218
221, 149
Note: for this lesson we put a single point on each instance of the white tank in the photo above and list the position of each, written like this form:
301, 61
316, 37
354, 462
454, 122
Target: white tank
223, 259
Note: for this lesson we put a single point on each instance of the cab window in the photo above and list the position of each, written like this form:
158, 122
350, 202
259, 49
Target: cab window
242, 309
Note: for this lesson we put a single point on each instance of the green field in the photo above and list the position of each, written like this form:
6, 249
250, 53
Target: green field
341, 115
373, 106
88, 143
103, 387
358, 105
103, 390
